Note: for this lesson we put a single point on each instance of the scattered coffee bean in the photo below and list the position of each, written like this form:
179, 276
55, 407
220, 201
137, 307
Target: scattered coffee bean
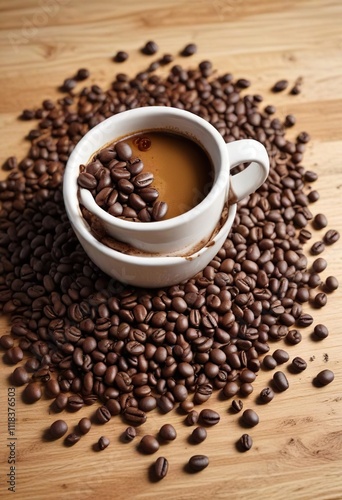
82, 74
319, 265
68, 85
290, 121
149, 444
305, 320
167, 432
103, 415
294, 337
150, 48
266, 395
14, 355
120, 56
209, 417
320, 300
192, 417
281, 356
321, 331
269, 362
245, 442
72, 439
84, 425
320, 221
32, 392
130, 433
6, 342
198, 463
198, 435
161, 467
20, 376
280, 85
317, 248
280, 381
189, 50
331, 237
298, 364
331, 283
324, 377
58, 429
250, 418
103, 442
237, 405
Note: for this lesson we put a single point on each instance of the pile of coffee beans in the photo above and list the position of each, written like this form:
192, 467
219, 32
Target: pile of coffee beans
120, 185
88, 339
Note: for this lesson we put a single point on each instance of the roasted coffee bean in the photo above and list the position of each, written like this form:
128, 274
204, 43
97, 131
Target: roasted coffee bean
103, 443
280, 356
82, 74
130, 433
120, 56
198, 462
209, 417
298, 364
161, 467
149, 444
6, 342
103, 415
84, 425
280, 381
319, 265
192, 417
72, 439
250, 418
237, 405
317, 248
58, 429
331, 237
134, 415
320, 300
321, 331
20, 376
32, 392
198, 435
269, 362
230, 389
189, 50
61, 401
320, 221
123, 150
245, 442
331, 283
324, 377
150, 48
167, 432
266, 395
13, 355
280, 85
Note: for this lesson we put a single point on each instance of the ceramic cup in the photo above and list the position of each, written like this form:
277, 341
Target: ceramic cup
164, 249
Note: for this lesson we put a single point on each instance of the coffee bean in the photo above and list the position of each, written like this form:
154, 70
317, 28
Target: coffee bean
103, 443
324, 377
150, 48
167, 432
237, 405
280, 356
266, 395
245, 442
298, 364
58, 429
103, 415
161, 467
14, 355
331, 237
319, 265
198, 435
320, 300
72, 439
84, 425
305, 320
294, 337
123, 150
32, 392
149, 444
250, 418
192, 418
321, 331
198, 463
280, 381
331, 283
209, 417
20, 376
280, 85
189, 50
320, 221
130, 433
82, 74
269, 362
317, 248
6, 342
120, 56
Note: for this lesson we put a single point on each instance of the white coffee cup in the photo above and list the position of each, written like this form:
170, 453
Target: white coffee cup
177, 238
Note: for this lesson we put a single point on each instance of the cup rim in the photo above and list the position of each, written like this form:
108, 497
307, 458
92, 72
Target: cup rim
221, 176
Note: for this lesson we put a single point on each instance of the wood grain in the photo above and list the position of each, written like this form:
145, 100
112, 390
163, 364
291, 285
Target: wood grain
297, 450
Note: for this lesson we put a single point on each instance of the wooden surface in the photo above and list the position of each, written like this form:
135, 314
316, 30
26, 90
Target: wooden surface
297, 449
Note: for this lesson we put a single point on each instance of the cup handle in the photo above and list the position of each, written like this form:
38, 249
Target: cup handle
250, 179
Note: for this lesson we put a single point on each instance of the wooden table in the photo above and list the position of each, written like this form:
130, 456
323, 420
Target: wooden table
297, 450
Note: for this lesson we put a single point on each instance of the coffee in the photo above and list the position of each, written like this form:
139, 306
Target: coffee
183, 173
